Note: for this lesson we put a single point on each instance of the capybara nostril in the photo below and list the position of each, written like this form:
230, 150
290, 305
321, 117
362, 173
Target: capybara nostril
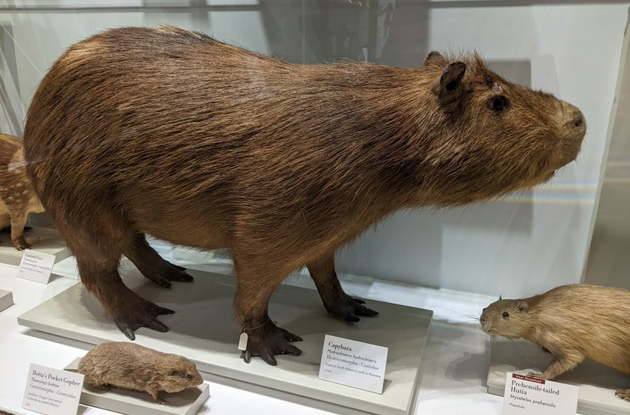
578, 121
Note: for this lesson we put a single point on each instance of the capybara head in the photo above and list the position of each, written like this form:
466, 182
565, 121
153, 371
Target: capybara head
181, 374
490, 135
507, 318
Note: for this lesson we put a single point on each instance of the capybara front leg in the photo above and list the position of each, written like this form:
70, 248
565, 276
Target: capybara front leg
151, 264
339, 304
129, 311
264, 338
561, 363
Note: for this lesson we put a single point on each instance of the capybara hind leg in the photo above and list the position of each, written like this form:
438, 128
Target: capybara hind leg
152, 265
265, 339
623, 394
339, 304
97, 254
129, 311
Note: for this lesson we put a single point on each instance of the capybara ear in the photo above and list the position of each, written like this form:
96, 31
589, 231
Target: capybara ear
451, 82
435, 58
522, 306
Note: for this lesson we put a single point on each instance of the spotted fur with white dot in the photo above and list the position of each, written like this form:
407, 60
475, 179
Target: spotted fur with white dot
17, 196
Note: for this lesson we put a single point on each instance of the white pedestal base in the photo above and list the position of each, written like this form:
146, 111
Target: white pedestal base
45, 240
6, 299
597, 383
186, 402
203, 330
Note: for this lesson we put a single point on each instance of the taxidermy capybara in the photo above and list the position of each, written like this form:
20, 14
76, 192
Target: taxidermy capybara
17, 196
171, 133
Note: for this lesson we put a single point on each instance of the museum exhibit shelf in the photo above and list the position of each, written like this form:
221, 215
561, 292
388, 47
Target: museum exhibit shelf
45, 240
451, 377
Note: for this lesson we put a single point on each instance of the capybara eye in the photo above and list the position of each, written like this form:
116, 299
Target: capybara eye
499, 103
506, 315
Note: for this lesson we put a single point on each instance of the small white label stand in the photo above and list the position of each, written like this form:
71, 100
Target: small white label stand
597, 383
6, 299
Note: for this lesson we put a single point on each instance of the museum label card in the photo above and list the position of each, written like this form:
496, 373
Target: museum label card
36, 266
52, 391
353, 363
525, 395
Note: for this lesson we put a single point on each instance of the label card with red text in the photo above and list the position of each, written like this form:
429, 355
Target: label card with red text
524, 396
52, 391
352, 363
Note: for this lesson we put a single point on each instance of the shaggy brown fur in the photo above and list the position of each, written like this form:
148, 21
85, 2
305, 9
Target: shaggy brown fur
17, 196
168, 132
134, 367
573, 322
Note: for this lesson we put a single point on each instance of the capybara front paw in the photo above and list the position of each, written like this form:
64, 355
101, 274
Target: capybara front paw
349, 309
270, 340
623, 394
137, 314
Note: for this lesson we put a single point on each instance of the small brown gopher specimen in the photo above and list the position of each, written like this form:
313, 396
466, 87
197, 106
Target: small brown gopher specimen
572, 322
171, 133
17, 196
134, 367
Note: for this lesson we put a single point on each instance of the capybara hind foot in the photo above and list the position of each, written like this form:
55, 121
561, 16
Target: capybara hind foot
152, 265
178, 267
268, 341
348, 309
623, 394
135, 312
172, 274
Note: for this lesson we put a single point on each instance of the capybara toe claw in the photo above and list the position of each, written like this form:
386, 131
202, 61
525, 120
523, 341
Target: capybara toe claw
269, 359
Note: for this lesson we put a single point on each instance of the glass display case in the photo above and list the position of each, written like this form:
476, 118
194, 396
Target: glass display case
452, 261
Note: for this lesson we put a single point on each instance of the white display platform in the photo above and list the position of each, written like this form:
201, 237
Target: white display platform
192, 255
46, 240
597, 383
186, 402
6, 299
203, 330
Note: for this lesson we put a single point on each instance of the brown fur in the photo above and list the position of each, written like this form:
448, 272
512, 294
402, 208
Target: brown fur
171, 133
17, 196
573, 322
134, 367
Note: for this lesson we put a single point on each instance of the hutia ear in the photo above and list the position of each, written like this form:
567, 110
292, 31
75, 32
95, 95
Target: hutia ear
451, 82
435, 58
522, 306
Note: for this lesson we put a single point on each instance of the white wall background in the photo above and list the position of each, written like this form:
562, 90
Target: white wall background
520, 245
